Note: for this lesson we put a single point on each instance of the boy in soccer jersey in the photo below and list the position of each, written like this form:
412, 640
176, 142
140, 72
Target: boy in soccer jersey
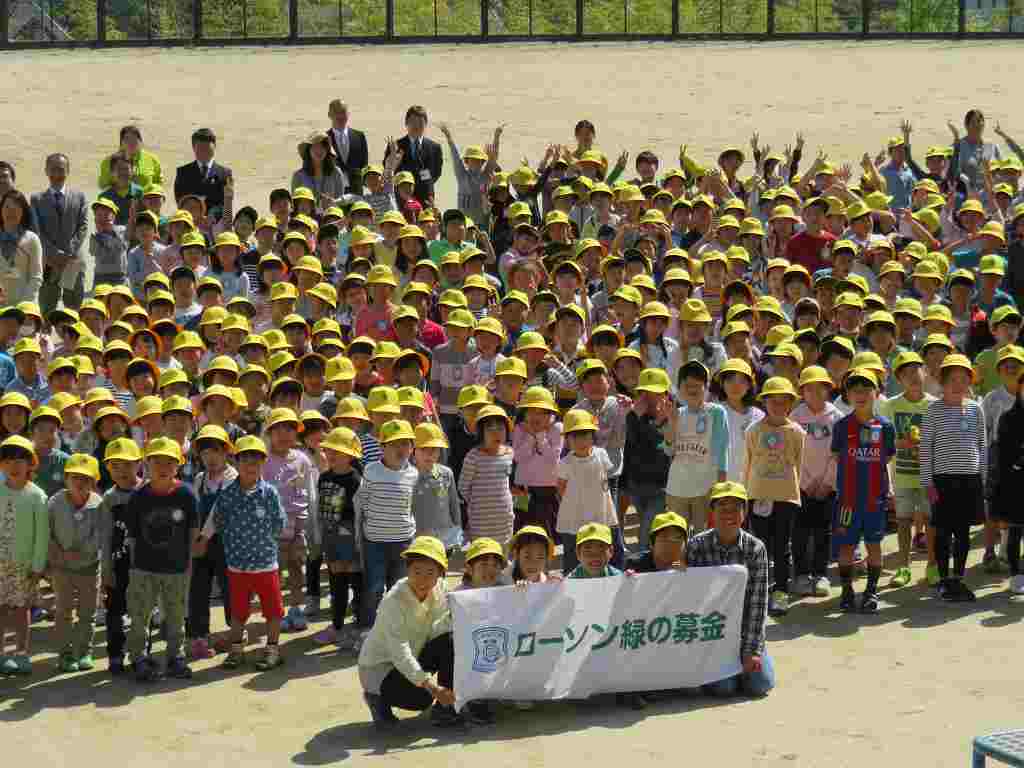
863, 444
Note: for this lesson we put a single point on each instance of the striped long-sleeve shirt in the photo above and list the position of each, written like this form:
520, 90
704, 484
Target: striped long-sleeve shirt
953, 441
384, 502
484, 484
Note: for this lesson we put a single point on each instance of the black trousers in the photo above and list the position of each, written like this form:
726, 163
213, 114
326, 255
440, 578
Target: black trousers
776, 531
117, 607
204, 570
313, 566
813, 526
438, 655
957, 508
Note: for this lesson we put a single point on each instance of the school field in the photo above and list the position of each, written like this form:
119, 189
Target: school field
908, 687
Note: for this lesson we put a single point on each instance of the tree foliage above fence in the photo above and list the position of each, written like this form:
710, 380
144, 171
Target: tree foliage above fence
220, 19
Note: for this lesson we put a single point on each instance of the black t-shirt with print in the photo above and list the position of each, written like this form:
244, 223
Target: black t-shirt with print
336, 494
161, 526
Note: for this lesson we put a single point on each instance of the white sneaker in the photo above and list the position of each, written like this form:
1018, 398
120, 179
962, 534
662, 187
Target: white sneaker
822, 587
312, 607
802, 585
1017, 585
101, 617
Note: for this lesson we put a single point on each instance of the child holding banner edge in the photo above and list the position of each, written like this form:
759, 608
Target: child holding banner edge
728, 544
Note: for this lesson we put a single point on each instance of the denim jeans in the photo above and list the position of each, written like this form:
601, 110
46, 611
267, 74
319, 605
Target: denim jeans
753, 684
647, 506
570, 561
384, 566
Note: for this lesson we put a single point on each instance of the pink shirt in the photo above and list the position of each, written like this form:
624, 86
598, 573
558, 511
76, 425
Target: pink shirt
537, 456
374, 322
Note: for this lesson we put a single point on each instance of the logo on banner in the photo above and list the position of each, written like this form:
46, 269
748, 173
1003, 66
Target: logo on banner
491, 645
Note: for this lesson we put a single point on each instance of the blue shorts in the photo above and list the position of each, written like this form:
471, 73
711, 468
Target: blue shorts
339, 548
850, 525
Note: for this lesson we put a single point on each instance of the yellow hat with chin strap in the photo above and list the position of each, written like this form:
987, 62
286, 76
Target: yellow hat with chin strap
1009, 352
484, 546
956, 360
383, 399
530, 340
778, 385
23, 444
668, 520
540, 398
82, 464
340, 369
351, 408
936, 340
494, 412
727, 490
216, 433
283, 416
593, 532
45, 412
176, 403
589, 365
429, 548
653, 380
343, 440
62, 400
511, 366
695, 311
164, 446
531, 530
735, 365
411, 397
578, 420
473, 394
491, 325
905, 358
815, 374
860, 374
150, 405
430, 435
122, 449
870, 360
396, 429
250, 444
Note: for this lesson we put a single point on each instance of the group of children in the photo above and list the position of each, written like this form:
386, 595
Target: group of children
320, 387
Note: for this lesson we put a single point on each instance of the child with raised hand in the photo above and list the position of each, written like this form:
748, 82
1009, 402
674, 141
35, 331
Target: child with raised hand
863, 445
384, 513
537, 445
123, 460
484, 482
25, 535
163, 525
906, 413
953, 463
250, 518
435, 504
774, 458
74, 556
583, 488
697, 437
336, 525
817, 416
214, 447
292, 473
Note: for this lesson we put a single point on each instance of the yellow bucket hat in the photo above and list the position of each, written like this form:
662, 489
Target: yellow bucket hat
428, 547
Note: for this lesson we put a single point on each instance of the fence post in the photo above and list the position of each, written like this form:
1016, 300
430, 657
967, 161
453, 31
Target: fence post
101, 21
675, 18
293, 19
389, 19
579, 18
484, 17
197, 20
961, 20
865, 17
770, 28
5, 23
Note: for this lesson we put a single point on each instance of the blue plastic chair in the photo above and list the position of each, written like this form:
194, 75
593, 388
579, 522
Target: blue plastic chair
1006, 747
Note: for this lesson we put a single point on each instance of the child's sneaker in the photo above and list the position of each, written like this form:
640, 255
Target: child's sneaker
200, 649
293, 621
37, 614
848, 601
24, 663
379, 711
179, 669
480, 713
86, 663
958, 592
931, 575
778, 603
822, 587
68, 663
445, 717
8, 666
116, 665
803, 586
869, 603
312, 607
901, 578
146, 670
1017, 585
327, 636
101, 617
235, 657
271, 658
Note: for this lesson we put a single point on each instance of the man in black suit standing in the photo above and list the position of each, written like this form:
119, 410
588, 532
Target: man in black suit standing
421, 156
203, 177
349, 146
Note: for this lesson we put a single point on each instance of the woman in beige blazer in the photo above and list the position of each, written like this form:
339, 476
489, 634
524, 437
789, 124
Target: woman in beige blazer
21, 252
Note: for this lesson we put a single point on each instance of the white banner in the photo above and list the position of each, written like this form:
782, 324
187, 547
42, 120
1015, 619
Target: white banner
580, 637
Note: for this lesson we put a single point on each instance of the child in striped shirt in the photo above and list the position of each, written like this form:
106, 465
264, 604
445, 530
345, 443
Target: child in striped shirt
485, 476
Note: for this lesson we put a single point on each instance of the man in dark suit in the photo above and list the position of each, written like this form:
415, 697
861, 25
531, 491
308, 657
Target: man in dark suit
62, 214
204, 177
349, 146
421, 156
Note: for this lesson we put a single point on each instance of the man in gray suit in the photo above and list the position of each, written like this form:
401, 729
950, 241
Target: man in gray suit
62, 214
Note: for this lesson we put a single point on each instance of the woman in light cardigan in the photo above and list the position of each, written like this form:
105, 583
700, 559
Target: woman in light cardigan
319, 172
412, 638
21, 252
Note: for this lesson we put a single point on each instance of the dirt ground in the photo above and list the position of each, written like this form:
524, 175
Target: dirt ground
910, 686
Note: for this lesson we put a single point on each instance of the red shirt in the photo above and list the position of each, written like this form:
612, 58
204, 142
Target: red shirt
810, 250
374, 322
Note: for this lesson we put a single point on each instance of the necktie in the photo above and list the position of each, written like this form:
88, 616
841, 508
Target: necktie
415, 148
343, 144
59, 199
204, 169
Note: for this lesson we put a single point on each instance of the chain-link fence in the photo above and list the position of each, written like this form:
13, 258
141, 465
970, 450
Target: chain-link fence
42, 23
